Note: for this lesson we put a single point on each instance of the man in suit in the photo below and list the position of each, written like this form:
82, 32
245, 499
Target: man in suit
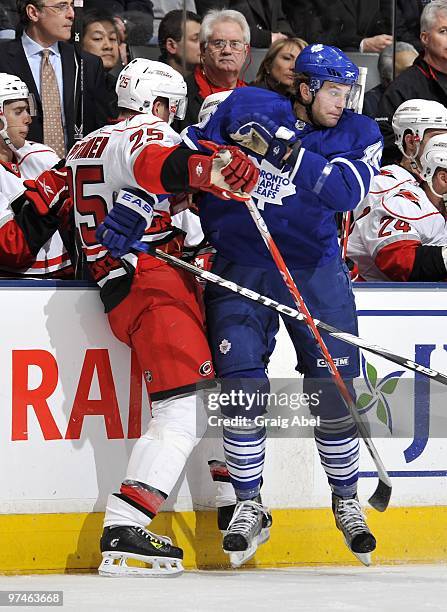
266, 20
353, 25
47, 24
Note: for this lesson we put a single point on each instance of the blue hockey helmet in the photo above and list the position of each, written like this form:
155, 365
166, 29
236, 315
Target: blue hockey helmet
323, 63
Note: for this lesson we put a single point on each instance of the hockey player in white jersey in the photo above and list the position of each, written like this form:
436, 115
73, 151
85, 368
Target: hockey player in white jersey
151, 306
20, 160
399, 232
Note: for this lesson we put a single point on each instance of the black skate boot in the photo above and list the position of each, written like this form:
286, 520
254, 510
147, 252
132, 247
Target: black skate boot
128, 542
248, 529
224, 516
350, 520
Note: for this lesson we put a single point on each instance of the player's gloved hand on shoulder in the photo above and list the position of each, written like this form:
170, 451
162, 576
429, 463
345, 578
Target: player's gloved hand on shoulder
48, 191
228, 173
126, 223
263, 136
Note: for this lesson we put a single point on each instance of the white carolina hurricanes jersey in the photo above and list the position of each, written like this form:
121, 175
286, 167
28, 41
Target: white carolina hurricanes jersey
393, 220
109, 159
33, 158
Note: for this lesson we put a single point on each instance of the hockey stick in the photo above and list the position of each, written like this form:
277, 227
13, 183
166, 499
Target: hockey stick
293, 314
347, 216
381, 497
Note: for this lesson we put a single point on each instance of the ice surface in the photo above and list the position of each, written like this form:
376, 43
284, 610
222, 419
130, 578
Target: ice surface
319, 589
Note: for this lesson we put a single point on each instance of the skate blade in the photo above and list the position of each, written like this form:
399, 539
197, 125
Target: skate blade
364, 558
239, 557
114, 564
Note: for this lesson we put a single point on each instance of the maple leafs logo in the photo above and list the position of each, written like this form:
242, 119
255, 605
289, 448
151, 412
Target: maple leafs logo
378, 392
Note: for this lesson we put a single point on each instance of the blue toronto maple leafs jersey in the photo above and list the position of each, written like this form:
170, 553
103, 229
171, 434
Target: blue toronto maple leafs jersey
332, 173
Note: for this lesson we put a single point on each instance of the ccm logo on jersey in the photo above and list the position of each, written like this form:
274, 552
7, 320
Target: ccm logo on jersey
339, 361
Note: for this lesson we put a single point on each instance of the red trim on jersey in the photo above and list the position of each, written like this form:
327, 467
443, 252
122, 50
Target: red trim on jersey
54, 261
136, 127
148, 166
391, 188
33, 152
436, 212
396, 260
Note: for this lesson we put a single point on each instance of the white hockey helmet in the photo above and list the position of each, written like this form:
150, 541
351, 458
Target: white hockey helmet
142, 81
433, 157
416, 116
11, 89
210, 104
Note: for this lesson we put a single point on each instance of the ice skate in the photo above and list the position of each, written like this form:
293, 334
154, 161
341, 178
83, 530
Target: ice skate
350, 520
248, 529
118, 544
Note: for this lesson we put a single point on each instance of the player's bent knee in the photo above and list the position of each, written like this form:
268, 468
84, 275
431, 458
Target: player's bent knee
244, 393
182, 420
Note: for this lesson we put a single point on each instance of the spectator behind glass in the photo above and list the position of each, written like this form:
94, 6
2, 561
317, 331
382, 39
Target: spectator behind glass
174, 46
8, 19
47, 25
353, 25
265, 18
426, 78
408, 21
277, 69
405, 56
163, 7
137, 15
224, 45
100, 37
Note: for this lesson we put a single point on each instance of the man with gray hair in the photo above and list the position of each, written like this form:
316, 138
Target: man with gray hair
426, 78
224, 44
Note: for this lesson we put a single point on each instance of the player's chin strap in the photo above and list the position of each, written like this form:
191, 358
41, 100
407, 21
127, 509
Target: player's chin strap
4, 134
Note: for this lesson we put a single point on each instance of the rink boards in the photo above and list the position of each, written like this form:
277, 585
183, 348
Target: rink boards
69, 419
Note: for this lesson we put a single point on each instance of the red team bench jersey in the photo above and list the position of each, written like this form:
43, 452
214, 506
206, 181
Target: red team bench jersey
52, 259
390, 224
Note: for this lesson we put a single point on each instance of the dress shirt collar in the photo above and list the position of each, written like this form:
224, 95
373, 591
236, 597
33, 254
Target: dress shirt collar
31, 47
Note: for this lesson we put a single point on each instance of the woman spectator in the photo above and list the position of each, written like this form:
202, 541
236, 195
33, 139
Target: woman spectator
101, 38
277, 69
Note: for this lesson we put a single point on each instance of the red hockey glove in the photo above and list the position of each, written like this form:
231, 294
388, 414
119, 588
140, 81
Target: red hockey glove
228, 173
47, 190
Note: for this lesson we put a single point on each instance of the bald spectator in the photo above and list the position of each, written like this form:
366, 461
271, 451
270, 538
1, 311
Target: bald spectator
224, 45
180, 49
405, 56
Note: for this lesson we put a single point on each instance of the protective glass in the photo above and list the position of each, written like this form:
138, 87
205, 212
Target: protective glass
177, 107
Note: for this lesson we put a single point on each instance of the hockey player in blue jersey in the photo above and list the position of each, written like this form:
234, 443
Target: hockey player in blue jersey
315, 157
